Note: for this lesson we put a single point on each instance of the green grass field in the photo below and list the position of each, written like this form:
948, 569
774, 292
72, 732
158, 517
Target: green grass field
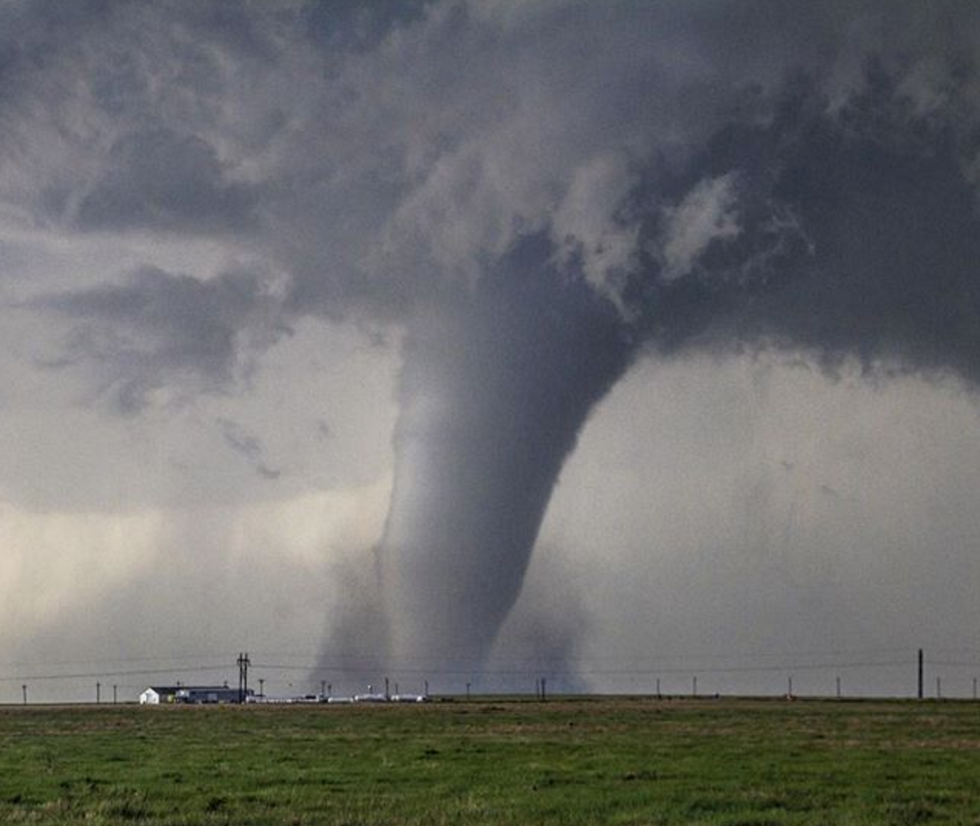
595, 761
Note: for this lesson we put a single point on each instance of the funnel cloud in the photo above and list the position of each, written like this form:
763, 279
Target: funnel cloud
494, 391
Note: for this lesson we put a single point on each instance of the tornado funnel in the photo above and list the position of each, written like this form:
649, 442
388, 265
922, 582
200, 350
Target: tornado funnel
495, 388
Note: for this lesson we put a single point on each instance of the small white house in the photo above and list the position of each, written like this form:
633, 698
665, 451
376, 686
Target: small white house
195, 694
156, 694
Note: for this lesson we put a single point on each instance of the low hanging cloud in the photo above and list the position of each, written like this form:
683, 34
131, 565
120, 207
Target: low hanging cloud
877, 261
160, 331
160, 180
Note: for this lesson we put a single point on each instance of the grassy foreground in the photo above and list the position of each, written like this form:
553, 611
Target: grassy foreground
564, 762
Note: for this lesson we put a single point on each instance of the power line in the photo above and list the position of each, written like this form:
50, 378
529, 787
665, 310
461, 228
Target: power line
665, 666
436, 658
109, 673
955, 664
97, 660
686, 661
611, 672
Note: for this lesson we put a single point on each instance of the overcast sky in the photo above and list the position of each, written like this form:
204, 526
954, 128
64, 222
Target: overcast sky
481, 341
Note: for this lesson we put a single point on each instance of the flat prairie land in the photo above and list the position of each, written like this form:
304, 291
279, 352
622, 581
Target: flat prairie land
495, 761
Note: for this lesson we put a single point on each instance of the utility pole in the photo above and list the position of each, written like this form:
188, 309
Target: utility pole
243, 663
387, 692
261, 687
24, 689
789, 686
98, 693
974, 688
114, 700
939, 688
467, 691
921, 674
838, 688
544, 690
323, 688
658, 688
694, 686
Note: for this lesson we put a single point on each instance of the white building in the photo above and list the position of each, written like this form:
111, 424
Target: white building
196, 694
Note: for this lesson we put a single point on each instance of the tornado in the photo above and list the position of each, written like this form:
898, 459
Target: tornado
496, 385
803, 234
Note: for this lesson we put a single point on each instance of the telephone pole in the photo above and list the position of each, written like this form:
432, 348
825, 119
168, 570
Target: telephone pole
921, 674
243, 663
98, 693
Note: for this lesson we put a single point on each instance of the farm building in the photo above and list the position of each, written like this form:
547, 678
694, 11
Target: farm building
154, 695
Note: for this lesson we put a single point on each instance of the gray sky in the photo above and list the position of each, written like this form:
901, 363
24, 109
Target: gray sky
478, 341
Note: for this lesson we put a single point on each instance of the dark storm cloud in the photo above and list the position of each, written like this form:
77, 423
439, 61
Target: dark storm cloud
855, 237
163, 180
350, 24
156, 329
533, 192
121, 116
